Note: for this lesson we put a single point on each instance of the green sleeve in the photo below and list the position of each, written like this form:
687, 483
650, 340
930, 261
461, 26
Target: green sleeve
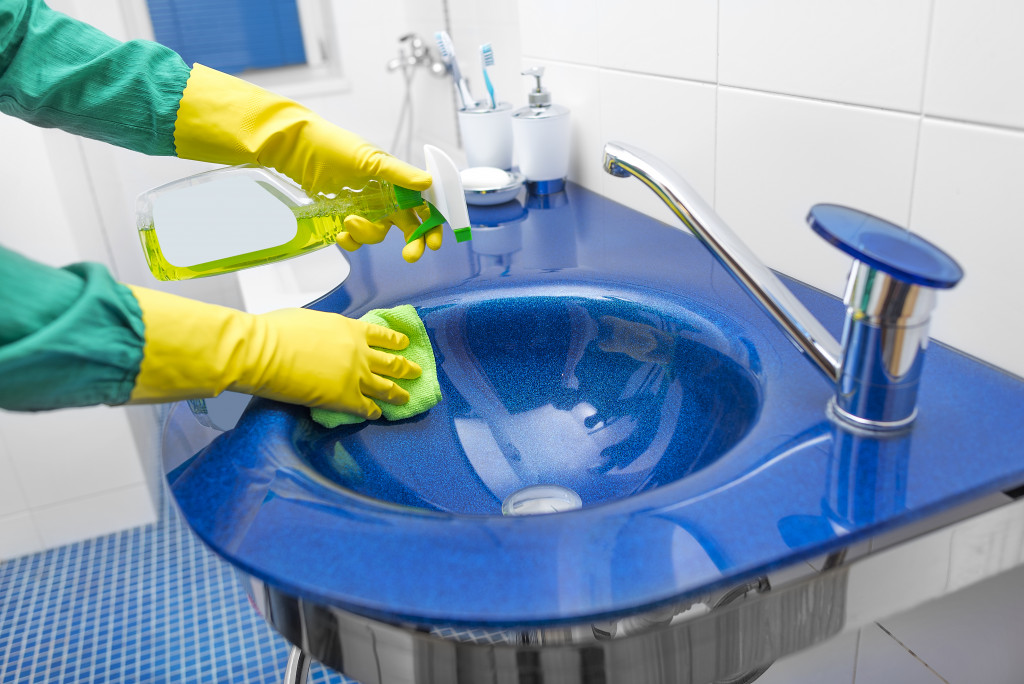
57, 72
69, 336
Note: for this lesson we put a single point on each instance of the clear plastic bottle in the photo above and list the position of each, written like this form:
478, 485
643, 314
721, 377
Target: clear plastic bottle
206, 225
324, 217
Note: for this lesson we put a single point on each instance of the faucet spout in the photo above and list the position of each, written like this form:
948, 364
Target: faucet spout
760, 282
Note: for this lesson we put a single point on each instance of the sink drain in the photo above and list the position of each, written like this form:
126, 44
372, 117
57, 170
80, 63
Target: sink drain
539, 499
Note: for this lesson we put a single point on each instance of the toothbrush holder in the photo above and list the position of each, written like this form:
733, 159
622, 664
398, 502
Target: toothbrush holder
487, 135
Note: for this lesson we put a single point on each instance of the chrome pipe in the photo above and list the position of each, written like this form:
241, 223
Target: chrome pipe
884, 340
763, 285
876, 369
298, 667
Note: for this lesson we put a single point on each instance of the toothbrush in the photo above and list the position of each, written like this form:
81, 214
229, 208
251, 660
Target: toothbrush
487, 56
447, 48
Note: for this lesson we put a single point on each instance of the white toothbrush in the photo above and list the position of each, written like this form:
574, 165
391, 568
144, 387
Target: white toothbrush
447, 48
487, 57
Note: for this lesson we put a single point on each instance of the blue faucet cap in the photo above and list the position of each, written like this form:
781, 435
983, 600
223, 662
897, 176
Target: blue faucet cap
885, 246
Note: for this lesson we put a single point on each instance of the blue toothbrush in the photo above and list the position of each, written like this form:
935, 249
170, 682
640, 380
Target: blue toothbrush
487, 56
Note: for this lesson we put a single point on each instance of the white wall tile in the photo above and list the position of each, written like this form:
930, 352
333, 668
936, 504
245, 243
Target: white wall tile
664, 37
971, 635
33, 185
11, 498
778, 156
680, 131
966, 201
976, 61
881, 660
831, 661
886, 579
937, 521
473, 24
94, 516
372, 106
18, 536
565, 30
870, 52
578, 88
61, 455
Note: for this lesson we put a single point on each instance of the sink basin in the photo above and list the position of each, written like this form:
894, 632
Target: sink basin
598, 366
601, 396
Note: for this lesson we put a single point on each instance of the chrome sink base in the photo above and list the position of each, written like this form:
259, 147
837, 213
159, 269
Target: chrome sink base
747, 629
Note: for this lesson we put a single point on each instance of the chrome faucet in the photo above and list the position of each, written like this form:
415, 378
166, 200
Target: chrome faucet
889, 295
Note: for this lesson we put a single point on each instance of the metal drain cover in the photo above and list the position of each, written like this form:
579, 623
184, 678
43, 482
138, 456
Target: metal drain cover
539, 499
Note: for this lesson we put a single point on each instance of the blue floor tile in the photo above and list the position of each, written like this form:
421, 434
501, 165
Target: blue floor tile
144, 606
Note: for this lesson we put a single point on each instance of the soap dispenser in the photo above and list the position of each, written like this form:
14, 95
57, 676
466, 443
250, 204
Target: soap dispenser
540, 134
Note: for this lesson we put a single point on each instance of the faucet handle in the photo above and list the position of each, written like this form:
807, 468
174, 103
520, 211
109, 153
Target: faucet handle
889, 299
885, 246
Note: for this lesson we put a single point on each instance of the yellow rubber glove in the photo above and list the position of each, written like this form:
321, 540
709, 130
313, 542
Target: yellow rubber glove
195, 350
226, 120
359, 231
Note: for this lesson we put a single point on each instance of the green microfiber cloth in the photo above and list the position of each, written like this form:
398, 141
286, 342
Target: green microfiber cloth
424, 391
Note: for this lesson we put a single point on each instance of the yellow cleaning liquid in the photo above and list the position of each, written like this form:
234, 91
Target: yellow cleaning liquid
317, 225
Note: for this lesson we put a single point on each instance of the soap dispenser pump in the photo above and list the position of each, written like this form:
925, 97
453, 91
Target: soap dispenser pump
540, 134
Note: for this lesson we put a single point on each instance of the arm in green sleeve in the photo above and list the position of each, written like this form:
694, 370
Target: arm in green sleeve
69, 336
57, 72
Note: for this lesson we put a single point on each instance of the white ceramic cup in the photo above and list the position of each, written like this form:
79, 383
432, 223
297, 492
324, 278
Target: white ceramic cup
487, 135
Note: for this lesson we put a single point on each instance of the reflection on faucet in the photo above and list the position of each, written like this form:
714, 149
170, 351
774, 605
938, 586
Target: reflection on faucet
867, 477
866, 481
889, 296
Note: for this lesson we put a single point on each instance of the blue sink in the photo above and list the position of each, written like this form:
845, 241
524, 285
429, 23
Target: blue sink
599, 395
600, 362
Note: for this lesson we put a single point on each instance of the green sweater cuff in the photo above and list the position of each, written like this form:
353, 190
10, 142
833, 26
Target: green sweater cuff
68, 337
57, 72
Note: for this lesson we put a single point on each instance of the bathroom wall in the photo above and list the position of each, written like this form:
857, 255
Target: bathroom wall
910, 110
76, 474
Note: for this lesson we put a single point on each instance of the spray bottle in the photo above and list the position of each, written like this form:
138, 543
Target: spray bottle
194, 227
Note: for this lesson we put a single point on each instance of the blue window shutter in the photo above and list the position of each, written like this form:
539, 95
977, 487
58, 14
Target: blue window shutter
230, 35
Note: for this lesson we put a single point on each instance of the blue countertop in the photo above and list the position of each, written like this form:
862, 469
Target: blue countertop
691, 490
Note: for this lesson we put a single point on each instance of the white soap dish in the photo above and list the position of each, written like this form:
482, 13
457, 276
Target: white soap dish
488, 185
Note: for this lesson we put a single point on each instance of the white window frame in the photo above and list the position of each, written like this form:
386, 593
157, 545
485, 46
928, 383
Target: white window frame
322, 74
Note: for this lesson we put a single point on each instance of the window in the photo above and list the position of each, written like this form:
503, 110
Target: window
283, 44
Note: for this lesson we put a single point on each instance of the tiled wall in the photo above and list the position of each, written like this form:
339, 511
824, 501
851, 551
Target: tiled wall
76, 474
912, 111
71, 474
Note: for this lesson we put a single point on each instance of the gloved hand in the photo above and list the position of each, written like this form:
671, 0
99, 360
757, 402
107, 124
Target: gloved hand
226, 120
359, 231
195, 350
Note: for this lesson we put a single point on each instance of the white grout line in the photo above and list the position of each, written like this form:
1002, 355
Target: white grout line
10, 572
166, 568
17, 609
79, 556
85, 607
126, 582
51, 571
91, 600
58, 619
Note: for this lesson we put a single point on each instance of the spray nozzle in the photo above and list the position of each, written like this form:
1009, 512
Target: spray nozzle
445, 197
